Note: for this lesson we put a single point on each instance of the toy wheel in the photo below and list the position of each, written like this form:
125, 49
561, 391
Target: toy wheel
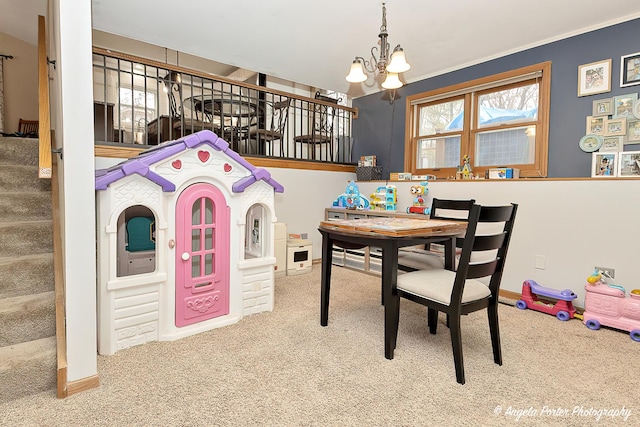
635, 335
563, 315
408, 210
593, 324
521, 304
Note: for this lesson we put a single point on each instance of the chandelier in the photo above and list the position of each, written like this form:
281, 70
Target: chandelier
389, 68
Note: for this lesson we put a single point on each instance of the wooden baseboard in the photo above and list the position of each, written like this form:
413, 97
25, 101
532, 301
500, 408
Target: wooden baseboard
509, 294
87, 383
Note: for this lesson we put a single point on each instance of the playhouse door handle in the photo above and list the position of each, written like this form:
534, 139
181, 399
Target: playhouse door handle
186, 256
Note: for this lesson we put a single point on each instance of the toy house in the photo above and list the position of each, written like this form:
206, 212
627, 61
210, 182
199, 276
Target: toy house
185, 235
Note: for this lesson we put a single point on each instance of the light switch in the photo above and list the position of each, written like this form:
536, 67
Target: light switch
540, 262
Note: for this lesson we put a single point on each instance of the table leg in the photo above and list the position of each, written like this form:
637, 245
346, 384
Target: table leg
390, 296
325, 281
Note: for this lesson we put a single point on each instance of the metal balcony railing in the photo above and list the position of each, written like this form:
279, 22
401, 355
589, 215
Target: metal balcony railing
140, 102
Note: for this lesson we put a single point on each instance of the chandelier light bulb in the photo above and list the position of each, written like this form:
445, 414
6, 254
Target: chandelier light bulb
356, 75
398, 62
392, 81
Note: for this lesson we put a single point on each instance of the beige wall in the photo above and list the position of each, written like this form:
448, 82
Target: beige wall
20, 81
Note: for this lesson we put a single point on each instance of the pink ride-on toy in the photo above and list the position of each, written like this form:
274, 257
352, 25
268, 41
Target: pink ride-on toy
563, 309
607, 305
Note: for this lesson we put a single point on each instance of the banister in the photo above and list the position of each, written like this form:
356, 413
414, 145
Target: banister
44, 113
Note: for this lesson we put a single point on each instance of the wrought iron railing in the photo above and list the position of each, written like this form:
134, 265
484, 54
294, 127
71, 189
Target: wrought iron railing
140, 102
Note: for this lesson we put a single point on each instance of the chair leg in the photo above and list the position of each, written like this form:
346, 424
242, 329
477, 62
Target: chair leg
456, 343
432, 320
494, 329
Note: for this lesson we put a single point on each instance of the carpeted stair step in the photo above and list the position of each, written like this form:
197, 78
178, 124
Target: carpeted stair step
25, 206
14, 178
19, 151
27, 369
29, 274
27, 318
25, 238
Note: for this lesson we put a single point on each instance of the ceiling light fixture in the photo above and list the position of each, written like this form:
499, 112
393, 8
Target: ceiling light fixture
389, 68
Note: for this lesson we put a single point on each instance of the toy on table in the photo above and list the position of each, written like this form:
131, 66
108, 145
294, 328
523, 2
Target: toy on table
563, 308
351, 198
384, 198
607, 305
420, 198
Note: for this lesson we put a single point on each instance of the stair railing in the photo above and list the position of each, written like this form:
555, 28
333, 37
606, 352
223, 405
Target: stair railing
44, 112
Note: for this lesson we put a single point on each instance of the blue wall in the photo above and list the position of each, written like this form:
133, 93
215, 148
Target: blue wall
374, 135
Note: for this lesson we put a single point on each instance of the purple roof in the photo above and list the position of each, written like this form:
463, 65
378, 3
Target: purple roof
140, 164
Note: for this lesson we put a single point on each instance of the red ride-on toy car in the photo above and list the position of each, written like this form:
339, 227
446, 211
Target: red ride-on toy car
563, 308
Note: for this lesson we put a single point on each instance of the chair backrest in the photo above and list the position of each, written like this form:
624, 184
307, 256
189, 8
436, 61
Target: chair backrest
279, 115
484, 255
442, 209
324, 115
28, 127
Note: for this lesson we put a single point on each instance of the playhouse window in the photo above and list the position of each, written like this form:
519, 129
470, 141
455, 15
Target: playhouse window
254, 233
136, 244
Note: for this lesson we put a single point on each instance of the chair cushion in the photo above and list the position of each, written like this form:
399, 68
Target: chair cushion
436, 285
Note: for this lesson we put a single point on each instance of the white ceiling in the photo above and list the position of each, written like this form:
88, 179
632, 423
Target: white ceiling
314, 42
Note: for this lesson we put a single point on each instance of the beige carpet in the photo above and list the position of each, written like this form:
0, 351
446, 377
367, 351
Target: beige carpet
284, 369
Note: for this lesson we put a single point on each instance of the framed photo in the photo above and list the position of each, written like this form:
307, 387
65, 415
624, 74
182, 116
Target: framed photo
633, 132
636, 110
604, 165
623, 105
590, 143
612, 144
630, 70
602, 107
595, 125
594, 78
629, 164
613, 127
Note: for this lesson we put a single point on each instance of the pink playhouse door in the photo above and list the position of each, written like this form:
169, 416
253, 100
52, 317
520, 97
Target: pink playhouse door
202, 255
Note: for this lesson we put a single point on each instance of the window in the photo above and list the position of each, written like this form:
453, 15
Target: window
499, 121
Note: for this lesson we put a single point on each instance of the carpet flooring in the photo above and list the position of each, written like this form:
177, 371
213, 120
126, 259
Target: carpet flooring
283, 369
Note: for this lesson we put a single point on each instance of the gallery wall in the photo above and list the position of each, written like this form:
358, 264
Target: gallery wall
379, 130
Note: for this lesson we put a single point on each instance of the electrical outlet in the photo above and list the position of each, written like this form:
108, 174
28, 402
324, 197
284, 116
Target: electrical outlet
606, 271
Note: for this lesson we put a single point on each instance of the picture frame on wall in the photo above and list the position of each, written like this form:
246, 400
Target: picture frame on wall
629, 164
614, 127
633, 132
623, 105
630, 69
602, 107
604, 165
612, 144
595, 125
594, 78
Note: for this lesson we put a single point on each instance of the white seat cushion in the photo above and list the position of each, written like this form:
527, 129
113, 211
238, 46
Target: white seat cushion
436, 285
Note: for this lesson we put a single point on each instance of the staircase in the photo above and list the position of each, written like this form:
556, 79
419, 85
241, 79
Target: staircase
27, 301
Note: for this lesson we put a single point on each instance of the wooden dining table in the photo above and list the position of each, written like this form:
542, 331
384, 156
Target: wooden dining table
388, 234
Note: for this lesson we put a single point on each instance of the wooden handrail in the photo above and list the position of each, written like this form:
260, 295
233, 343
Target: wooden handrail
44, 113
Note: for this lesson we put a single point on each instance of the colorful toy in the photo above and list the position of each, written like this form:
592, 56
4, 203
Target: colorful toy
607, 305
420, 198
384, 198
185, 236
464, 170
351, 198
563, 308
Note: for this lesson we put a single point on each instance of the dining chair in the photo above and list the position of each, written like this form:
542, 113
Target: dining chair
275, 129
483, 255
28, 127
412, 259
320, 126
